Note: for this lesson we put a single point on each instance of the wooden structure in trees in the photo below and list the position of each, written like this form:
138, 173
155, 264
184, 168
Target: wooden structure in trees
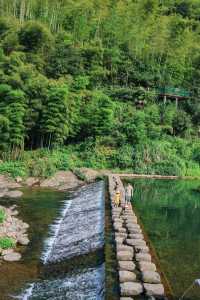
173, 93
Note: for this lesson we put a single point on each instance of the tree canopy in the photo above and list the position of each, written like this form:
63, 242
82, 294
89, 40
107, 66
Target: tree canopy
90, 69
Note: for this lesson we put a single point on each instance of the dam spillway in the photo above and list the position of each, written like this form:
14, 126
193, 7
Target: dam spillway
80, 228
78, 231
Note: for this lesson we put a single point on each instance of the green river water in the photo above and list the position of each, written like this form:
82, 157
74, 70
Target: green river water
170, 213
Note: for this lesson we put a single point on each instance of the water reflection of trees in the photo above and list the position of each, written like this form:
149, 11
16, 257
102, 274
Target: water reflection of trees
170, 211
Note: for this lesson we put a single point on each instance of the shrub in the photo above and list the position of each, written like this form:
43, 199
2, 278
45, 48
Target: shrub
196, 153
174, 166
6, 243
43, 167
13, 168
34, 36
125, 157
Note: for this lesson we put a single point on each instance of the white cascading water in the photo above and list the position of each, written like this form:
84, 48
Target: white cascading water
54, 231
78, 230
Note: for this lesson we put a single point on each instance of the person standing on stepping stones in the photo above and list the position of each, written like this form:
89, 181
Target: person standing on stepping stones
128, 194
117, 199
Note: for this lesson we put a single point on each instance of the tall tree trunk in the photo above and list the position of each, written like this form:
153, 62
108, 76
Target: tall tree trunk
15, 8
2, 7
22, 11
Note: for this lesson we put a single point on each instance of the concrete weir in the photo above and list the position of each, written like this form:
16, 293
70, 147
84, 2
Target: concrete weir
80, 227
137, 273
79, 230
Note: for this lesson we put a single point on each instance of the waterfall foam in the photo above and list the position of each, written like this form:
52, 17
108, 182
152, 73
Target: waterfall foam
87, 285
54, 231
80, 228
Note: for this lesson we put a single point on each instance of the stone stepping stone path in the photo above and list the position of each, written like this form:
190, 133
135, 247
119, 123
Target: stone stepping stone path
137, 273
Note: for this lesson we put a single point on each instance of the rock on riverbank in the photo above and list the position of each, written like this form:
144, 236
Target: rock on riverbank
64, 180
61, 180
8, 187
14, 229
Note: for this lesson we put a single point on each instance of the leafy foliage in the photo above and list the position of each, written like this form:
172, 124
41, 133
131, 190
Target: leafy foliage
82, 74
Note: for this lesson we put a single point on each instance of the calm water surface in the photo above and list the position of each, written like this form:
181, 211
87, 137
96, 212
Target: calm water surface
170, 213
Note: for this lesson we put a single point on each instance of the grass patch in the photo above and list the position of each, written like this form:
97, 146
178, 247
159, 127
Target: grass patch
6, 243
2, 216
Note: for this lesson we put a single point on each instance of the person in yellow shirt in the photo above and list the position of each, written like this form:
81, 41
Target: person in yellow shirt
117, 199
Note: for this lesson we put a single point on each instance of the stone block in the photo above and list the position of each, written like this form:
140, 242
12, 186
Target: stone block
131, 288
155, 290
126, 265
126, 276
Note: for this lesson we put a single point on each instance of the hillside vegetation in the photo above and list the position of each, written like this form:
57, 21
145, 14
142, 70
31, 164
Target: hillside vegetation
78, 85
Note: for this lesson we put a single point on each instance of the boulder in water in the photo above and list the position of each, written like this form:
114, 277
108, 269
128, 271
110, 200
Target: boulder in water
151, 277
14, 194
124, 255
119, 240
147, 266
126, 276
131, 288
31, 181
126, 265
23, 240
12, 257
156, 290
143, 257
135, 242
125, 248
136, 236
133, 230
142, 249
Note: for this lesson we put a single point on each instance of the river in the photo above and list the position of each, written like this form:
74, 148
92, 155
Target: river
170, 213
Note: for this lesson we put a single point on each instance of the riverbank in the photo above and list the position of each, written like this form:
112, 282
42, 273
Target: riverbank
66, 180
97, 155
61, 181
13, 233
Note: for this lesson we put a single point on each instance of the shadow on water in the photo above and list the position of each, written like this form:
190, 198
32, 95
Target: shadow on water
80, 277
170, 213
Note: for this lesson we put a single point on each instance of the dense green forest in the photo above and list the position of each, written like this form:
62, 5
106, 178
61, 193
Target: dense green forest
79, 85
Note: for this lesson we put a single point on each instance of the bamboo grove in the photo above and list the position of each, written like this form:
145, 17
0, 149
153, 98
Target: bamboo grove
75, 70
